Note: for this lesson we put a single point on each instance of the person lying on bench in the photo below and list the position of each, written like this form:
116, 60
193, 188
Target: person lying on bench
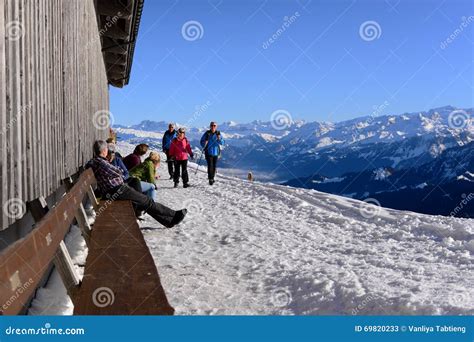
110, 182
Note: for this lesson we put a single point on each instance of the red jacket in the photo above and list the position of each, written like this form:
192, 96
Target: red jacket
180, 148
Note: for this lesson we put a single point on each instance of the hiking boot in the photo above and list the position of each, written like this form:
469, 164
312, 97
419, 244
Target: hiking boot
178, 217
211, 181
140, 214
186, 185
175, 185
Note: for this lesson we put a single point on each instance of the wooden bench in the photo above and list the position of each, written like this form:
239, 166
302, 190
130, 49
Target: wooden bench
120, 276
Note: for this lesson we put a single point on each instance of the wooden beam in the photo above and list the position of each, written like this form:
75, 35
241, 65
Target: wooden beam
92, 198
62, 260
114, 59
22, 264
122, 8
81, 216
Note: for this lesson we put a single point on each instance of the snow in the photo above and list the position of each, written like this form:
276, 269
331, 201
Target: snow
381, 173
467, 176
329, 180
139, 133
254, 248
268, 137
53, 299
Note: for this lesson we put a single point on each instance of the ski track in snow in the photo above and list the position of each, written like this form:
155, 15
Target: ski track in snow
251, 248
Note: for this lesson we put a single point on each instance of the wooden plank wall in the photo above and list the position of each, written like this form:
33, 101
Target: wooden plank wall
52, 82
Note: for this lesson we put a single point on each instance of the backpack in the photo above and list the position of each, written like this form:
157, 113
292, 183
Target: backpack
209, 133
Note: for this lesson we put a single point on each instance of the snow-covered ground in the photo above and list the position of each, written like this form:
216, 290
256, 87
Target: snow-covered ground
254, 248
250, 248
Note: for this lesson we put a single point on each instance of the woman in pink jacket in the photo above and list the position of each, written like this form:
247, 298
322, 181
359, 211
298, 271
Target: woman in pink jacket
179, 150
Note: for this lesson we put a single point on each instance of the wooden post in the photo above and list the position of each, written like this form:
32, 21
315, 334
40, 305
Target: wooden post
83, 223
81, 216
62, 259
92, 198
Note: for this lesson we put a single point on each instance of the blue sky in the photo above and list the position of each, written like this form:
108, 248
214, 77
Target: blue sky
322, 66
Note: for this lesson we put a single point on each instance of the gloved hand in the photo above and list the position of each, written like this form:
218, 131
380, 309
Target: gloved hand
192, 156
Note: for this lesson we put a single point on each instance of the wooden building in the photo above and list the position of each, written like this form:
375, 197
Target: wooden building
57, 60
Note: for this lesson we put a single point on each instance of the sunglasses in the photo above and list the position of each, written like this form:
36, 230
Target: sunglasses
213, 125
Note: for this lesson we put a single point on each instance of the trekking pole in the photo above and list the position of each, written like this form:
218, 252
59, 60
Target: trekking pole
200, 158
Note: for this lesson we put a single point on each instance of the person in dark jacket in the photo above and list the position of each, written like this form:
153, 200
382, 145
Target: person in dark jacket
116, 160
168, 136
135, 158
110, 182
211, 142
179, 150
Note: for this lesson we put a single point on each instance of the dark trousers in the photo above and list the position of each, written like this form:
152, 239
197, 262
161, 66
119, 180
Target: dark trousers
211, 166
142, 202
134, 183
183, 165
170, 163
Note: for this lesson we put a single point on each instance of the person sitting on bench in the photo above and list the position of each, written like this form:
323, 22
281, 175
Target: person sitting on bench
146, 173
110, 182
135, 158
116, 160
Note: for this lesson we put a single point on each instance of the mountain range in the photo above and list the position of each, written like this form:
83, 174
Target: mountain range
421, 161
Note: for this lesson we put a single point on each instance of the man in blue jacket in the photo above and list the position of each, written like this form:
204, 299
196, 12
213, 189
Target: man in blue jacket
168, 136
211, 143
